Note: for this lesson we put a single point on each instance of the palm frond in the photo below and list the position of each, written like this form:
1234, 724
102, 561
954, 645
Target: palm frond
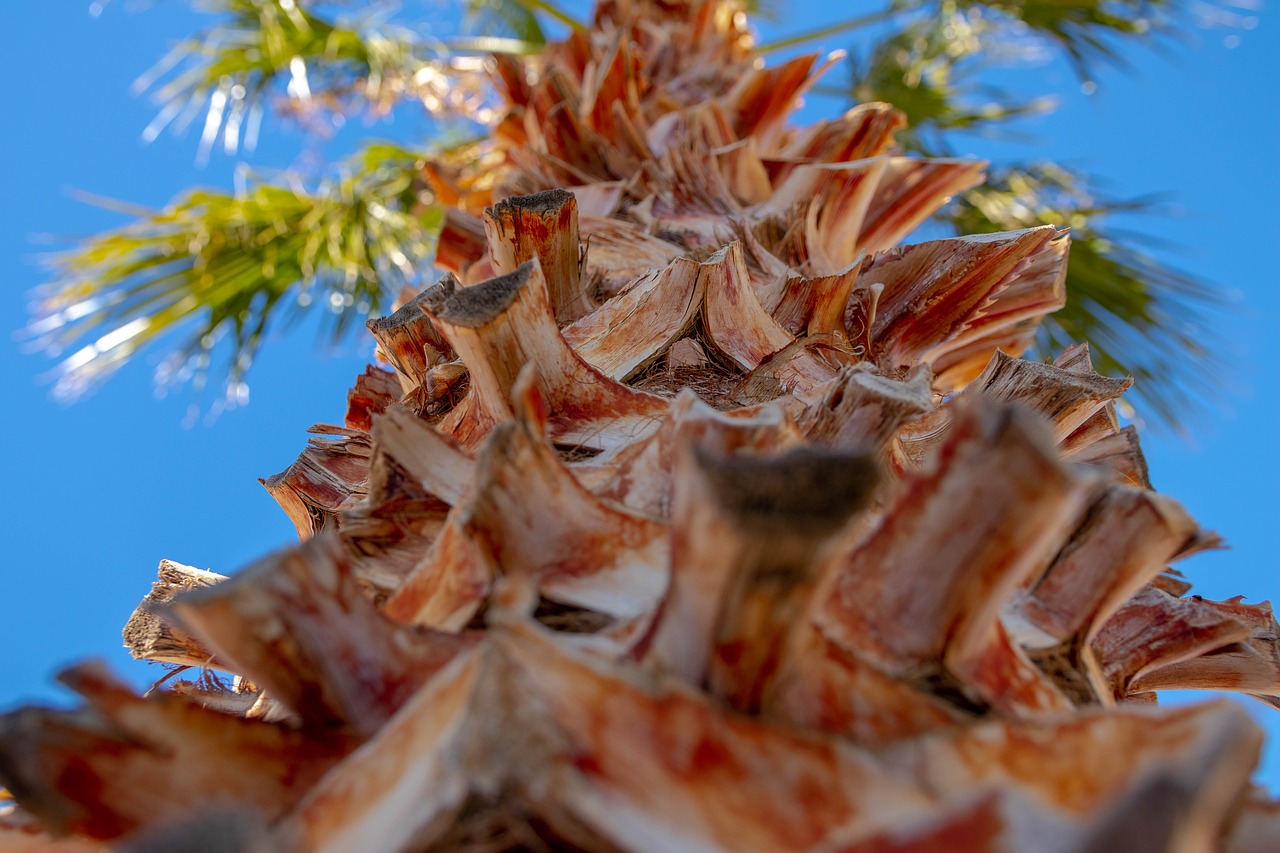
1089, 32
212, 267
552, 11
267, 48
931, 70
509, 18
1140, 316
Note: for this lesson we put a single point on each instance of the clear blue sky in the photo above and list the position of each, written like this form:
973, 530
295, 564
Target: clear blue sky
100, 491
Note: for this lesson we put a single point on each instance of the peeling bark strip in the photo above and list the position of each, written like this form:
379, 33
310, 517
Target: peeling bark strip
693, 513
325, 476
635, 327
1127, 537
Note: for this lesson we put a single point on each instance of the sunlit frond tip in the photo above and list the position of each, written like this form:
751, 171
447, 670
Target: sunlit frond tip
213, 272
280, 52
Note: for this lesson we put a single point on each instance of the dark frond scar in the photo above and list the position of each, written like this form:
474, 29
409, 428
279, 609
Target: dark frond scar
544, 203
432, 297
481, 303
809, 488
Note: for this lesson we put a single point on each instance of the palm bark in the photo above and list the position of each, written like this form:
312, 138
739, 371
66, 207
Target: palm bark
691, 513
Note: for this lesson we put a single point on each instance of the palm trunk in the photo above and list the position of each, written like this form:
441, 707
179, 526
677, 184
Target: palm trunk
691, 513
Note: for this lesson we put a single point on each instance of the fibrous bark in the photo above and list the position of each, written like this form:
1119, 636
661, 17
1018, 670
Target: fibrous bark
692, 513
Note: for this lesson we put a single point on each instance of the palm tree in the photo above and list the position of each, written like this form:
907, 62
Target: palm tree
691, 512
222, 269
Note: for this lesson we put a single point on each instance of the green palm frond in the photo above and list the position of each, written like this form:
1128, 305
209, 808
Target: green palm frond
1140, 316
762, 10
825, 31
504, 18
214, 267
931, 70
516, 19
1089, 31
263, 48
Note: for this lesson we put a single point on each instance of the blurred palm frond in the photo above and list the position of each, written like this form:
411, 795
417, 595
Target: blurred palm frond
1089, 32
516, 19
931, 69
212, 266
265, 49
1140, 316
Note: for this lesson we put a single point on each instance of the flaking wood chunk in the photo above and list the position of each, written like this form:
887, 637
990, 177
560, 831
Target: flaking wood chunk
1097, 427
783, 515
734, 322
440, 466
834, 198
1067, 392
933, 291
909, 192
462, 240
329, 473
1125, 539
814, 306
748, 532
1008, 322
1121, 454
501, 325
620, 253
864, 131
824, 686
693, 513
448, 585
149, 635
408, 341
861, 407
642, 475
1251, 665
542, 226
385, 530
374, 392
1155, 629
537, 521
1069, 397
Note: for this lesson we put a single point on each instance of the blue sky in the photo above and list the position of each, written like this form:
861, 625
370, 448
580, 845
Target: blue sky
101, 490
